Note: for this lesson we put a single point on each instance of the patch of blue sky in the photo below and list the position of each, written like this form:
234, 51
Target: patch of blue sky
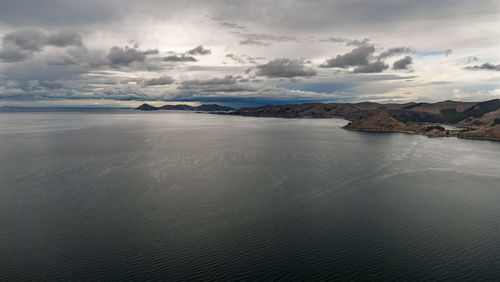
430, 53
317, 87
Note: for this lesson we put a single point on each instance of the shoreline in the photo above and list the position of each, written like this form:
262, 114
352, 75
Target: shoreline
470, 120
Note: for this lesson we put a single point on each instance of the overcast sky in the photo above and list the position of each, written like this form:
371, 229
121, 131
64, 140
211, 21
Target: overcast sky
64, 52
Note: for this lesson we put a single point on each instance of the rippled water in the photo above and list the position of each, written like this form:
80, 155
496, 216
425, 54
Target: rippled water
119, 194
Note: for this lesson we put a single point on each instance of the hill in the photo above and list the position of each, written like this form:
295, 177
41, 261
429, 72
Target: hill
480, 120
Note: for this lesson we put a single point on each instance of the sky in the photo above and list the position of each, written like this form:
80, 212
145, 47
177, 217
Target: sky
247, 53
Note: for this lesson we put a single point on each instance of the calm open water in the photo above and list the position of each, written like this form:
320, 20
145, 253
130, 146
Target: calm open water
121, 195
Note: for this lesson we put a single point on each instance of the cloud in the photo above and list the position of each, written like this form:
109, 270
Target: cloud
363, 60
485, 66
162, 80
225, 24
10, 54
150, 52
119, 56
243, 59
228, 79
402, 64
179, 58
232, 25
285, 68
335, 39
254, 42
50, 53
236, 58
60, 60
374, 67
261, 39
28, 39
395, 51
205, 87
22, 44
358, 57
472, 59
199, 50
357, 42
64, 38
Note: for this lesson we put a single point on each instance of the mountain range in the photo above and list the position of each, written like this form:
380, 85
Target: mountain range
183, 107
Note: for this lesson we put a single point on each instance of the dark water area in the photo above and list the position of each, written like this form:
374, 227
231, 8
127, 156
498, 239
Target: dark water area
123, 195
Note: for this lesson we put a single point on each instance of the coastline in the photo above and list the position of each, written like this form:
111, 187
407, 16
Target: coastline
472, 120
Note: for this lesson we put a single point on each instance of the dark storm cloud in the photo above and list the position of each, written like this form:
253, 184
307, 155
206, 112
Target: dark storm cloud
199, 50
162, 80
485, 66
35, 40
395, 51
179, 58
402, 64
22, 44
64, 38
358, 57
285, 68
10, 54
374, 67
60, 60
28, 39
119, 56
363, 60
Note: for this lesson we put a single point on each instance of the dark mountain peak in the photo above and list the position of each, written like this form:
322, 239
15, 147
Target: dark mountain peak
146, 107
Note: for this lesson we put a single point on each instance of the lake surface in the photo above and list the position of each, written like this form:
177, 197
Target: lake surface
121, 195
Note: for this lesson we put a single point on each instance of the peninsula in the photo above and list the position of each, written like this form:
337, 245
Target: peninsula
473, 120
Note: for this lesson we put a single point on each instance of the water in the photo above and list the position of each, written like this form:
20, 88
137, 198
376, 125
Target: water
121, 195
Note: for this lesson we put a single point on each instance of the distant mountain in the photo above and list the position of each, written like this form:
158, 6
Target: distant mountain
182, 107
213, 108
176, 107
146, 107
